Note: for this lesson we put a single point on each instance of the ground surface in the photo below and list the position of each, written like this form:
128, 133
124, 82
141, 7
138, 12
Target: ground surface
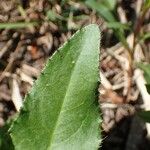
24, 51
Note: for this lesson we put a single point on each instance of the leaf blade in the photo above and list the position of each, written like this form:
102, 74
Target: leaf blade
17, 25
5, 139
102, 10
66, 102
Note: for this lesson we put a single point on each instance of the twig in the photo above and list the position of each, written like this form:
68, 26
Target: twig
8, 44
16, 96
122, 15
10, 62
105, 82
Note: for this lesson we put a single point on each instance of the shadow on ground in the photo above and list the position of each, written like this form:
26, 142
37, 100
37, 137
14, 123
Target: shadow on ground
129, 134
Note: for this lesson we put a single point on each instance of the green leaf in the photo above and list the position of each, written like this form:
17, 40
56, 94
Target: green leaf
119, 31
5, 139
102, 10
145, 115
61, 111
53, 16
118, 25
144, 37
146, 5
146, 69
110, 3
121, 37
17, 25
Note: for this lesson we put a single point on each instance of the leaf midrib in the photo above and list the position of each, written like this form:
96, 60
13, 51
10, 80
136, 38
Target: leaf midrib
68, 87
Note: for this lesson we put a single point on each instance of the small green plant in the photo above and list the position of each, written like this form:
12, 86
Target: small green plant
105, 8
61, 112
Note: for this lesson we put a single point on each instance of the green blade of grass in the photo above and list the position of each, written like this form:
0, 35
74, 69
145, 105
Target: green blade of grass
17, 25
102, 10
118, 25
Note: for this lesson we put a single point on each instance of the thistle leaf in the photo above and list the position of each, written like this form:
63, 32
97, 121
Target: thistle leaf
61, 111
